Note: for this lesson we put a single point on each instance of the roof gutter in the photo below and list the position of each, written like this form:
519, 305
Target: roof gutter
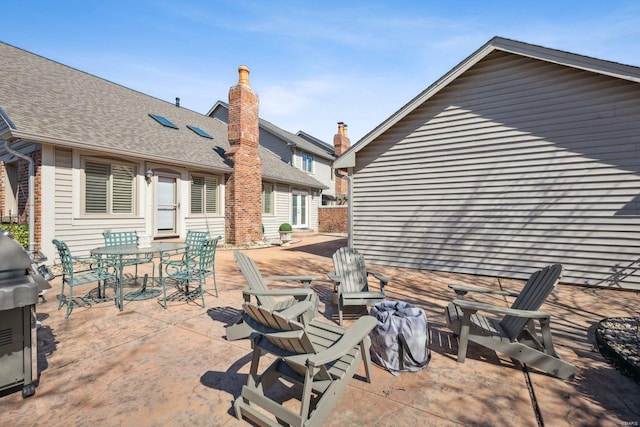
42, 139
32, 219
349, 178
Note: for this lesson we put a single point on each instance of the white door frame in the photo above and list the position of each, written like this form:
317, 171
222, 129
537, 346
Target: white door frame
299, 208
166, 206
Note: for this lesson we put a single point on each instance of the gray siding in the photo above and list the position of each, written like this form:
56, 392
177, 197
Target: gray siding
276, 145
516, 164
322, 173
282, 207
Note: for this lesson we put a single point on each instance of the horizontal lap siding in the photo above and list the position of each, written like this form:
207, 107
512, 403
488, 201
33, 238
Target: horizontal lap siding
81, 234
517, 164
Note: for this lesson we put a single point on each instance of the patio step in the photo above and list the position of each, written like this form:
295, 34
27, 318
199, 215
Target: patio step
301, 233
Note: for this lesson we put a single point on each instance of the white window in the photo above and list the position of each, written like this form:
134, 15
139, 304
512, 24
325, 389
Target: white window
109, 188
204, 195
307, 162
267, 199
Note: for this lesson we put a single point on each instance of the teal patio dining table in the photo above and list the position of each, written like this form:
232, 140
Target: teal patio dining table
119, 255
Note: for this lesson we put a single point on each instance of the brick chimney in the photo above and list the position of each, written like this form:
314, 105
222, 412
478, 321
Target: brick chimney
341, 144
243, 194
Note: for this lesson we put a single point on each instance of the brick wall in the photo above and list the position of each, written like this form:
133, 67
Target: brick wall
243, 195
332, 219
23, 194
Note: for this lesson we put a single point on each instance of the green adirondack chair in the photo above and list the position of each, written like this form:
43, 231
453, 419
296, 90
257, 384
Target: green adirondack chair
350, 279
319, 356
515, 334
100, 271
272, 300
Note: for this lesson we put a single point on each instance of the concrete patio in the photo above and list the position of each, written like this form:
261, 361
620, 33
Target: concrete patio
150, 366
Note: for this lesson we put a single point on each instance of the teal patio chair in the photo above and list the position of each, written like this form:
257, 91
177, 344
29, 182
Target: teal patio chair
129, 238
194, 269
100, 271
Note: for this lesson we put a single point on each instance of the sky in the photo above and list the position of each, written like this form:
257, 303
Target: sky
313, 63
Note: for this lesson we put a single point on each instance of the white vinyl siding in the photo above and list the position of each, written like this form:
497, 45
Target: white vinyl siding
518, 163
204, 195
109, 188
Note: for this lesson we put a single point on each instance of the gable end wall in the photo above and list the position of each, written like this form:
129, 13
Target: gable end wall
516, 164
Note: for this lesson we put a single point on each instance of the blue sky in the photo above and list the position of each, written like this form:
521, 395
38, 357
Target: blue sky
313, 63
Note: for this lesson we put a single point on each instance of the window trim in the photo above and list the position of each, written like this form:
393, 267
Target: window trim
311, 159
110, 211
273, 204
204, 177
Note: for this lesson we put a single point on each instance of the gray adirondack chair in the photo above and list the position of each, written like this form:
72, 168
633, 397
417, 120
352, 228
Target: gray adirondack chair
351, 285
272, 300
319, 356
515, 334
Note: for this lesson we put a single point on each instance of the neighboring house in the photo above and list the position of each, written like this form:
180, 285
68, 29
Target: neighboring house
106, 157
518, 157
303, 151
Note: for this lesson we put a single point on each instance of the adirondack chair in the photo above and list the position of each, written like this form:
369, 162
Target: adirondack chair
350, 279
272, 300
515, 334
319, 356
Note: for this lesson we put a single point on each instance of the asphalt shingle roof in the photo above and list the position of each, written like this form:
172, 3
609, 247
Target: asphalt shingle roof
49, 102
301, 143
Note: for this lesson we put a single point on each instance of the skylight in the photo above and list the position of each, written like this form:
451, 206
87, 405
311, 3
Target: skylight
200, 132
163, 121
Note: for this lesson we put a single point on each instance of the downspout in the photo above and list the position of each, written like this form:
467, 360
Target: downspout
349, 179
32, 218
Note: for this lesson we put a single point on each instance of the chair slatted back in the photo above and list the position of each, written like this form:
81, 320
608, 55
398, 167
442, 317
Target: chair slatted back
254, 279
66, 259
533, 295
350, 266
120, 238
207, 255
195, 240
296, 342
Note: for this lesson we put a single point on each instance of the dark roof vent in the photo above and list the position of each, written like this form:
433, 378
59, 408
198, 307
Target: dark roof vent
177, 102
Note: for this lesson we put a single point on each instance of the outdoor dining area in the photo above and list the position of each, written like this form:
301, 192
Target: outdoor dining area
168, 334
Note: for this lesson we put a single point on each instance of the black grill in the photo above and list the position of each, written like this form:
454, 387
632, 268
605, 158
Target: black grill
19, 289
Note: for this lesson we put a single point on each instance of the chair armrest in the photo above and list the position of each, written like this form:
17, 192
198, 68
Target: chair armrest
353, 336
305, 280
298, 311
461, 291
279, 292
478, 306
335, 278
380, 277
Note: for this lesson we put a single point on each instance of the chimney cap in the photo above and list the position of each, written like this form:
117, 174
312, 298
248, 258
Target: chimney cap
243, 75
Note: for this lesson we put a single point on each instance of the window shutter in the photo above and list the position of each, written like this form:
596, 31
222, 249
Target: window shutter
197, 193
122, 189
96, 187
211, 187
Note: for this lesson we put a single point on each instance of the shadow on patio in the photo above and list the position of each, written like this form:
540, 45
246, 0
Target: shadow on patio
151, 366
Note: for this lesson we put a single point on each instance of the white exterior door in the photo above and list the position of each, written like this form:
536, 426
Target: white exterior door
167, 206
299, 209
